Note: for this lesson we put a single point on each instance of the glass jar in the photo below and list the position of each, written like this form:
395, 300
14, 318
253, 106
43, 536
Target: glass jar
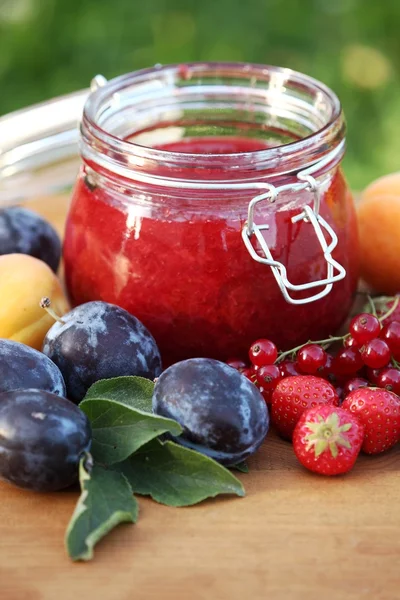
211, 205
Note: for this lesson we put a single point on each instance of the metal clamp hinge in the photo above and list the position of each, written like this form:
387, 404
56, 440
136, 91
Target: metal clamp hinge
335, 272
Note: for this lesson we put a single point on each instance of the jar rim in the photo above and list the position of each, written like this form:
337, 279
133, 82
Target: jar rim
97, 139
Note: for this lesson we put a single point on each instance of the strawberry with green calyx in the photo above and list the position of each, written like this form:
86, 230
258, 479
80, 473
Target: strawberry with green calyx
327, 440
294, 395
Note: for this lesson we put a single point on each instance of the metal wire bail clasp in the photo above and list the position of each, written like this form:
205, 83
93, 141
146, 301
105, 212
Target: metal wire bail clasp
309, 215
314, 188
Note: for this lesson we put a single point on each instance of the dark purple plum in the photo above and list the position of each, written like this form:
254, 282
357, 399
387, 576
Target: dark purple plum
222, 413
42, 438
22, 367
23, 231
98, 340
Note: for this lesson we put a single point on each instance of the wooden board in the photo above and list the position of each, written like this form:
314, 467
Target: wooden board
295, 535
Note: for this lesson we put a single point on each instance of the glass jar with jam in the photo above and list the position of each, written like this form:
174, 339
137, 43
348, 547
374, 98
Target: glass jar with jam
211, 204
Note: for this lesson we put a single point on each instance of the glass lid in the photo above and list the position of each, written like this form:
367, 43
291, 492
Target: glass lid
39, 149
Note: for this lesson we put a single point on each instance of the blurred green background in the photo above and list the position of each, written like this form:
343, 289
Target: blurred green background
50, 47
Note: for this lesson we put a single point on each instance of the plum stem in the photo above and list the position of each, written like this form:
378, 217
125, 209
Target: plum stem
88, 462
46, 304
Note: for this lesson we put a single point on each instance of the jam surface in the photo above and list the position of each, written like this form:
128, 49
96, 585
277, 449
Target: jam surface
178, 262
217, 145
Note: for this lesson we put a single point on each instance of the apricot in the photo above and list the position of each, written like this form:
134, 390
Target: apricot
388, 185
24, 280
379, 230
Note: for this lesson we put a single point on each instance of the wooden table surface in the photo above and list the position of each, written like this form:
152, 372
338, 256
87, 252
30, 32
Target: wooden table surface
295, 535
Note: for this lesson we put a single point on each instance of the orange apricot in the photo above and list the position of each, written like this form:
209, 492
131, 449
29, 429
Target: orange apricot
23, 281
388, 185
379, 231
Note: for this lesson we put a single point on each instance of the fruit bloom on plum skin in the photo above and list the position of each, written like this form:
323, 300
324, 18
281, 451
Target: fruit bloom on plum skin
22, 367
222, 413
97, 341
42, 438
23, 231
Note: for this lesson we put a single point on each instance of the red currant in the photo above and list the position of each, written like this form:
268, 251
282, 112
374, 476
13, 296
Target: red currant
236, 363
391, 334
340, 393
250, 374
364, 328
267, 395
373, 375
390, 379
263, 352
288, 368
375, 354
310, 358
268, 376
350, 342
394, 316
327, 370
347, 362
354, 384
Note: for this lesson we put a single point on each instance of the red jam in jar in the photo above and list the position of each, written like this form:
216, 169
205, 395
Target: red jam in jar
160, 224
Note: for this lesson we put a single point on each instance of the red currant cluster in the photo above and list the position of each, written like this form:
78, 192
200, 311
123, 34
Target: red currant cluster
368, 355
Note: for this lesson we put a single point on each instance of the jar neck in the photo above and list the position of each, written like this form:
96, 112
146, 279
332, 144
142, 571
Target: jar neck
299, 120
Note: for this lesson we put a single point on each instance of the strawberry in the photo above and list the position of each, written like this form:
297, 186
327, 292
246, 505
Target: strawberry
293, 395
328, 439
379, 411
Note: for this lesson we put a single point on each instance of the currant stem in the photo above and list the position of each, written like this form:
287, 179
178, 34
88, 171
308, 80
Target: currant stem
383, 299
325, 343
45, 303
391, 309
372, 306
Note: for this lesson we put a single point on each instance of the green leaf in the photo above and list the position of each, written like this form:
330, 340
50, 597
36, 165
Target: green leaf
174, 475
106, 500
132, 391
119, 430
242, 467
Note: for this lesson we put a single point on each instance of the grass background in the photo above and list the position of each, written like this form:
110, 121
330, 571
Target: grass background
51, 47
